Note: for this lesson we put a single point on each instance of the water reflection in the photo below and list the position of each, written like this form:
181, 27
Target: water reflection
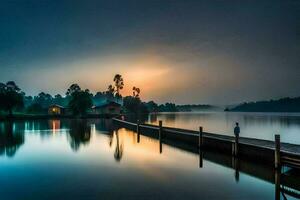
149, 165
200, 158
119, 149
266, 173
10, 139
55, 125
80, 133
153, 118
235, 166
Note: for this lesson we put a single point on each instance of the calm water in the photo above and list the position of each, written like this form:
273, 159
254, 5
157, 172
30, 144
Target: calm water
87, 159
255, 125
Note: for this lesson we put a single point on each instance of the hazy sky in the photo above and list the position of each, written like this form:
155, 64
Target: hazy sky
184, 51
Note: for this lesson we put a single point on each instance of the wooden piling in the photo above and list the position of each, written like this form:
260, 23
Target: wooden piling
200, 142
277, 152
138, 130
138, 126
160, 136
159, 130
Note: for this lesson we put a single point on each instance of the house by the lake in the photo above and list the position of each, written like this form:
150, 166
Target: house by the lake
56, 110
107, 107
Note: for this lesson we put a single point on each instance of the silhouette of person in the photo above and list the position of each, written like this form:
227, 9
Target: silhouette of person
236, 129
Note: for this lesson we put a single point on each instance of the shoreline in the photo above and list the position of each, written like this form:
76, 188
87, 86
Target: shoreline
47, 116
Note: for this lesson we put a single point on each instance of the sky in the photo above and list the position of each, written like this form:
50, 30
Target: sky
191, 51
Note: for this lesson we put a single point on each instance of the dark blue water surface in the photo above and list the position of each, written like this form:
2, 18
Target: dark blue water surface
88, 159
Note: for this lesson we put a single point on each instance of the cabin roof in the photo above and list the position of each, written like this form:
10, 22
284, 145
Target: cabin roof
56, 105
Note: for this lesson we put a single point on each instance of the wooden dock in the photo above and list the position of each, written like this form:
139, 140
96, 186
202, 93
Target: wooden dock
245, 148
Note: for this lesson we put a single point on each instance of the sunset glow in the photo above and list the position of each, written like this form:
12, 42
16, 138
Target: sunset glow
149, 99
186, 52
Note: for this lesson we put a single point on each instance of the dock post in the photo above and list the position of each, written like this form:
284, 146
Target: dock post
138, 130
160, 130
160, 136
277, 152
236, 144
200, 142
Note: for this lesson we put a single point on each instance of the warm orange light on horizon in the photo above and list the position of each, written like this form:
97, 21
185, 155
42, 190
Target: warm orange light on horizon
147, 79
157, 76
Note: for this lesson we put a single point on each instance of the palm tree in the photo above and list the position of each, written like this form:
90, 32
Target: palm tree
119, 84
136, 92
110, 92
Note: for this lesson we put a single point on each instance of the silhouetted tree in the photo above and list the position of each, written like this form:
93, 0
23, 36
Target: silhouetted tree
28, 100
119, 84
110, 92
280, 105
58, 99
35, 108
11, 97
80, 101
99, 95
131, 103
167, 107
58, 96
43, 99
152, 106
136, 92
73, 88
134, 104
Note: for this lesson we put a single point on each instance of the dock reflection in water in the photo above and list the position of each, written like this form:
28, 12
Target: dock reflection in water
75, 159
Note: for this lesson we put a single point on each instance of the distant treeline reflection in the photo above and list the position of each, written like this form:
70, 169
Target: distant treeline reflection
12, 133
10, 139
79, 131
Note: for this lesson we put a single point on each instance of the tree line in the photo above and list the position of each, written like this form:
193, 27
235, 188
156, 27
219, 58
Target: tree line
79, 101
281, 105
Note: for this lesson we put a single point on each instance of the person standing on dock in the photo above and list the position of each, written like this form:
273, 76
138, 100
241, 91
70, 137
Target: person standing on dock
236, 142
236, 129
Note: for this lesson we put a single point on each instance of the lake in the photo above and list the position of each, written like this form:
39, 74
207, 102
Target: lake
89, 159
253, 125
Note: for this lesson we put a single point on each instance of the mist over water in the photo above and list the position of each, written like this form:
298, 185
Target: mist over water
253, 125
